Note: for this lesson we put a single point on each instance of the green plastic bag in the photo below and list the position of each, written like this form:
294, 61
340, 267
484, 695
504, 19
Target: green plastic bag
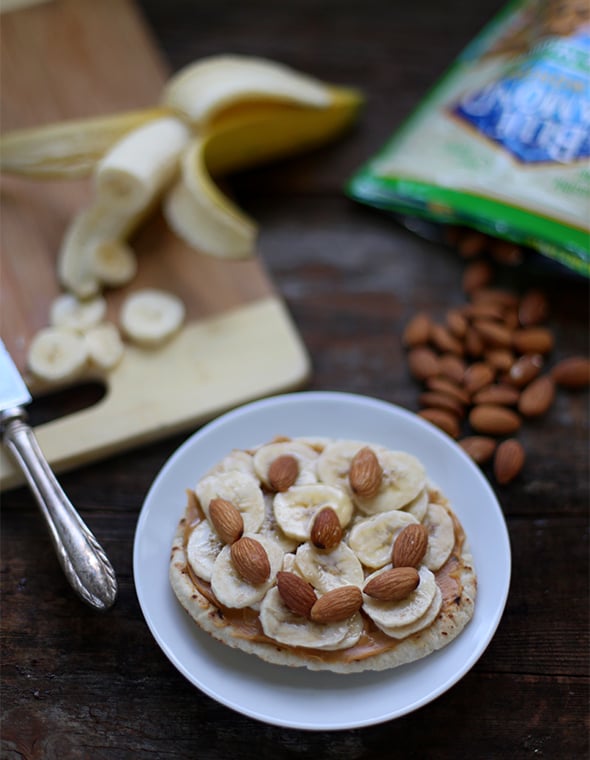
502, 142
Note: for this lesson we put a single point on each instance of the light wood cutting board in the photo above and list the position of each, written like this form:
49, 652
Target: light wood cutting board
77, 58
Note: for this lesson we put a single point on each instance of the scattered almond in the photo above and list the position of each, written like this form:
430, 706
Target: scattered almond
500, 359
533, 308
445, 385
494, 334
336, 605
250, 560
477, 275
226, 520
503, 298
506, 395
477, 376
283, 472
441, 401
492, 419
326, 531
532, 340
446, 421
474, 344
297, 594
452, 366
479, 447
524, 369
456, 323
417, 331
410, 546
508, 461
572, 373
537, 397
365, 473
423, 362
393, 585
445, 341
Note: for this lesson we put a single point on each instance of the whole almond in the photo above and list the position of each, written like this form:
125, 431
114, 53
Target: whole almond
440, 400
474, 343
452, 366
446, 421
533, 340
537, 397
533, 308
492, 419
451, 388
283, 472
506, 395
365, 473
485, 311
479, 447
410, 546
250, 560
471, 243
477, 376
504, 298
456, 323
500, 359
336, 605
443, 339
226, 520
572, 373
506, 252
423, 362
476, 275
393, 585
494, 334
326, 531
525, 369
508, 461
417, 331
297, 594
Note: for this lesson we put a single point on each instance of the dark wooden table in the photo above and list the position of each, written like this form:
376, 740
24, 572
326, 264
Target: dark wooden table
76, 684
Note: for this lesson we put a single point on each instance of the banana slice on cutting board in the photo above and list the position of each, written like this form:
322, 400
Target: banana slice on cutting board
306, 459
202, 549
296, 508
149, 317
241, 489
403, 475
441, 536
57, 355
105, 347
284, 626
402, 631
405, 611
326, 570
234, 591
372, 538
77, 314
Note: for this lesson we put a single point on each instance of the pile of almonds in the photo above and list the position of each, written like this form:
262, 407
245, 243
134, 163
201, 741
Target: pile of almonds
486, 368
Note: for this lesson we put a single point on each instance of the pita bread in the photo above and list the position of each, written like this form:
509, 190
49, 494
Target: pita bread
241, 628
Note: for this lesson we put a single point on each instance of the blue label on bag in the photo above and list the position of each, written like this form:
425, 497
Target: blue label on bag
540, 111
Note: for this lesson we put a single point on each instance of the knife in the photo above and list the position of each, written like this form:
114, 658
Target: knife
83, 560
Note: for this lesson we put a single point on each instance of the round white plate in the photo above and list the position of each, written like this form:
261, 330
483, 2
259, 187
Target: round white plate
297, 697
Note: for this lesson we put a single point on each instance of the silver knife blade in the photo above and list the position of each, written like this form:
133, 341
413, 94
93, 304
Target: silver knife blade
13, 391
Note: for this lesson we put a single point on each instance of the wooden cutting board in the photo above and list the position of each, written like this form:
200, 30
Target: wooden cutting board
76, 58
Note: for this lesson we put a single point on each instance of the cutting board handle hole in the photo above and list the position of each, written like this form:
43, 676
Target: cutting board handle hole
62, 403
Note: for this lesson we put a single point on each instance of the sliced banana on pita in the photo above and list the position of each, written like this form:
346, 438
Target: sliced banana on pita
372, 538
231, 589
406, 611
296, 508
202, 549
239, 488
441, 536
418, 506
403, 631
305, 456
326, 570
236, 461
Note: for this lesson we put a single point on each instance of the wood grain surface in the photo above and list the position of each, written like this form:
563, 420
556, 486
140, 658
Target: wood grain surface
77, 685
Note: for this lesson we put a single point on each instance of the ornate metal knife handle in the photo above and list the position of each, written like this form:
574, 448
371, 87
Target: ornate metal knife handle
83, 560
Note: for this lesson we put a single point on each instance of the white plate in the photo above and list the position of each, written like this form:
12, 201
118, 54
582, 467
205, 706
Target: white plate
296, 697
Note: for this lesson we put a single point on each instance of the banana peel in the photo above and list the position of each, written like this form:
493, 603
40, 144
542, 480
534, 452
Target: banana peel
241, 111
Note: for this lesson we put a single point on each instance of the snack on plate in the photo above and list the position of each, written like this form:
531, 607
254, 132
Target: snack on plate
323, 553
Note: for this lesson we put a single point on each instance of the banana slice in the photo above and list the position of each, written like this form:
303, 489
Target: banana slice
71, 149
406, 611
296, 508
372, 538
441, 536
241, 489
206, 219
326, 570
202, 549
272, 529
284, 626
114, 263
57, 355
202, 89
105, 347
228, 585
306, 458
69, 311
236, 460
149, 317
418, 506
402, 631
403, 475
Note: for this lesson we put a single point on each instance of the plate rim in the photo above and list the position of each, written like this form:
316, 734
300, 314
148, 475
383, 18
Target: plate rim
301, 397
